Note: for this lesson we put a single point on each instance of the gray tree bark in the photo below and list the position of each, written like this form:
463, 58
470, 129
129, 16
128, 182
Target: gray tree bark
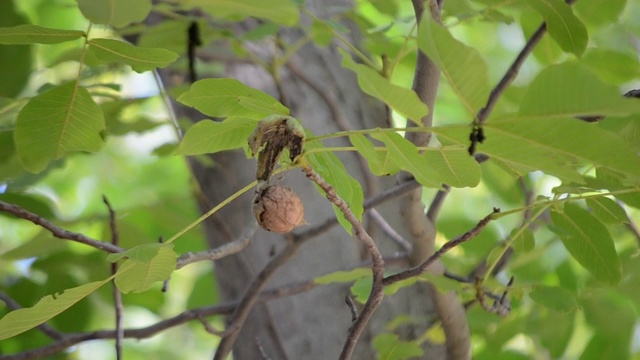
311, 325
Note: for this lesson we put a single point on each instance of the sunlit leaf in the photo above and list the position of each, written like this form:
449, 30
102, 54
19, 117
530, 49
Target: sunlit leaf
390, 347
117, 13
56, 122
405, 156
208, 137
403, 100
555, 297
343, 276
230, 97
614, 66
563, 26
550, 145
279, 11
571, 89
144, 266
30, 34
454, 165
379, 161
589, 242
607, 210
334, 172
140, 59
21, 320
463, 67
361, 289
395, 287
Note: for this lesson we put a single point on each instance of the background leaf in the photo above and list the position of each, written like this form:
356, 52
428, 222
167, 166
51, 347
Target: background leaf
380, 162
463, 67
405, 156
144, 266
30, 34
403, 100
589, 242
56, 122
15, 60
21, 320
230, 97
571, 89
279, 11
343, 276
390, 347
607, 210
140, 59
555, 297
117, 13
208, 137
454, 165
563, 26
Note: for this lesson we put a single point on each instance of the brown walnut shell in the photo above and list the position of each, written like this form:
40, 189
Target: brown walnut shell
278, 209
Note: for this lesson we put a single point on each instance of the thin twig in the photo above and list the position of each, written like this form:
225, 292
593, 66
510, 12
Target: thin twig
57, 231
377, 268
352, 307
418, 270
437, 202
117, 296
263, 354
220, 252
208, 328
389, 230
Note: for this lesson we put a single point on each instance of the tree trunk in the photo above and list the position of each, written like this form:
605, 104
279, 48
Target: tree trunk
313, 324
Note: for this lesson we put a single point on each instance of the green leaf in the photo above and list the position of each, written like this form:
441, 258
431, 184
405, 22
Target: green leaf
404, 101
41, 245
600, 12
208, 137
524, 241
117, 13
34, 34
550, 145
555, 297
563, 26
283, 12
405, 156
571, 89
613, 66
21, 320
454, 165
343, 276
395, 287
608, 211
144, 266
589, 242
140, 59
462, 65
361, 289
230, 97
379, 161
333, 171
56, 122
390, 347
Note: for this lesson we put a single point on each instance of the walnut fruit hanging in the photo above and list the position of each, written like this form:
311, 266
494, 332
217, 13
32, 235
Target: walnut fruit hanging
278, 209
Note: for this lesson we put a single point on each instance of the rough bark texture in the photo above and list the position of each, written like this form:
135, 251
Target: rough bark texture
312, 325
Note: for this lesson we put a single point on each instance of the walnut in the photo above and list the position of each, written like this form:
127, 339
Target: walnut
278, 209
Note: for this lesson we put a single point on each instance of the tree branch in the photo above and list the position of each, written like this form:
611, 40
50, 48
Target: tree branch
57, 231
377, 268
420, 269
117, 296
220, 252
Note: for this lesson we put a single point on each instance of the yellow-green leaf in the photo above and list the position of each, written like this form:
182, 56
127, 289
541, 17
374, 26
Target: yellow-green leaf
144, 266
283, 12
117, 13
563, 26
56, 122
21, 320
140, 59
30, 34
208, 137
231, 98
454, 165
403, 100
